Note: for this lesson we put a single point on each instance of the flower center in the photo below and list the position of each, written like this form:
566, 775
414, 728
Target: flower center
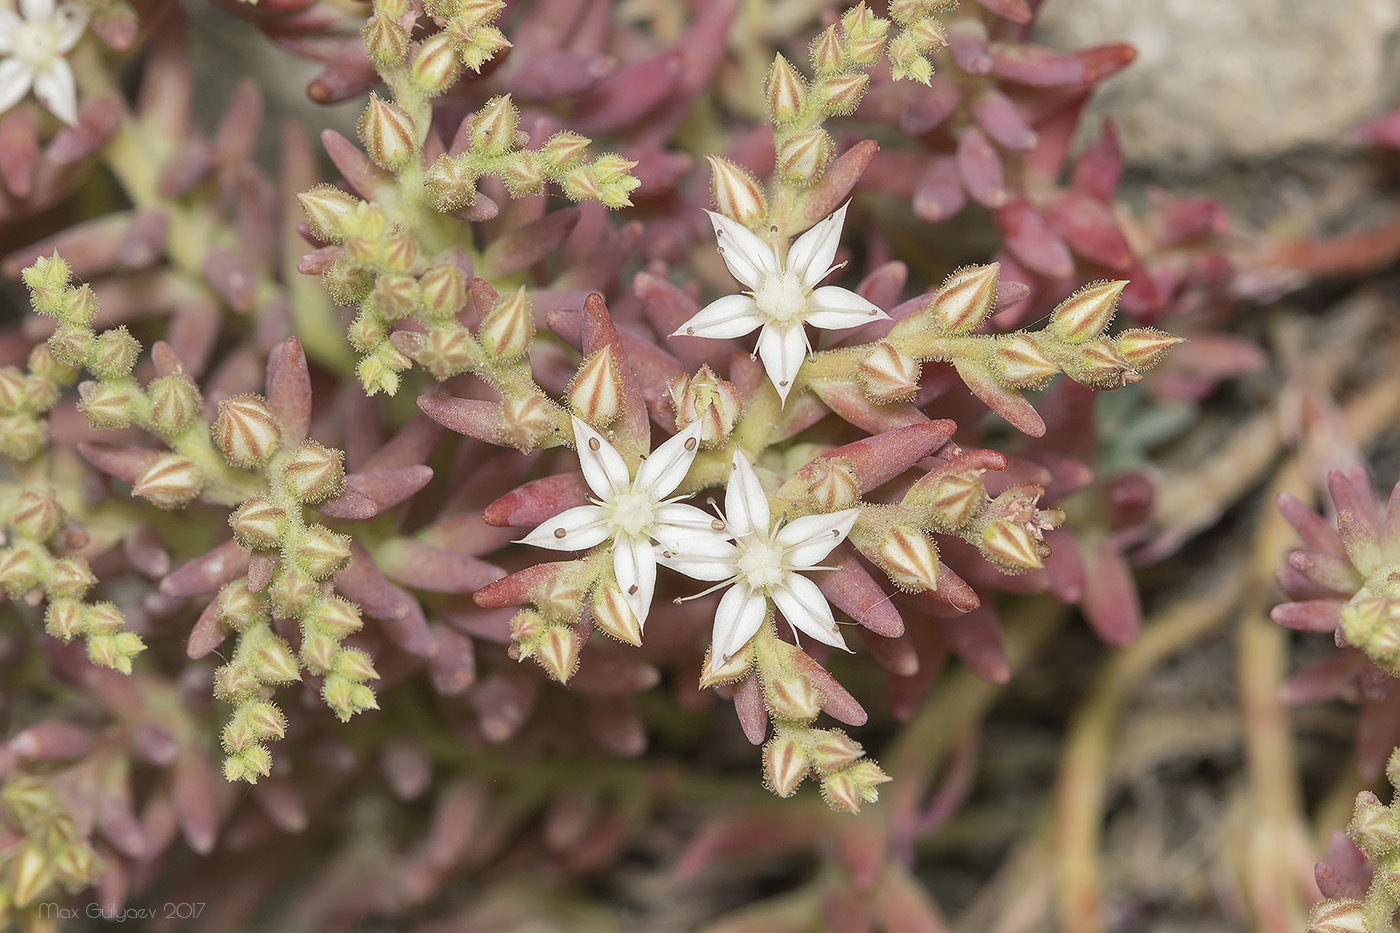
633, 513
760, 563
781, 297
35, 43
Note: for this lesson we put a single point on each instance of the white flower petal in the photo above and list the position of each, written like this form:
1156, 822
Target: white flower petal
603, 468
737, 619
9, 27
834, 308
810, 257
663, 471
699, 557
634, 564
806, 609
15, 78
782, 347
748, 258
723, 319
676, 521
56, 90
809, 539
745, 503
71, 20
582, 527
36, 9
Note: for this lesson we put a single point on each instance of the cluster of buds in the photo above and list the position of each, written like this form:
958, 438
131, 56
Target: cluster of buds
465, 37
47, 852
1360, 881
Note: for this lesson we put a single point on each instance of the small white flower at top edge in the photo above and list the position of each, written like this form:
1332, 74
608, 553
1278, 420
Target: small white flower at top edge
32, 51
763, 562
632, 512
783, 296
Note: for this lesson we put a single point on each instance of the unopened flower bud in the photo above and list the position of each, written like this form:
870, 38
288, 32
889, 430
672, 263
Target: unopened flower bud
237, 608
1338, 916
444, 291
613, 614
174, 403
233, 682
38, 516
346, 698
70, 577
955, 499
170, 482
1099, 365
507, 330
29, 874
908, 558
436, 66
527, 627
64, 619
785, 91
291, 591
322, 552
388, 133
485, 42
842, 93
237, 735
274, 663
386, 42
14, 390
889, 374
107, 405
564, 149
907, 60
966, 299
1011, 545
785, 764
248, 764
1373, 826
493, 129
524, 174
19, 571
246, 431
595, 392
557, 652
347, 280
527, 421
1144, 347
581, 184
336, 617
394, 297
71, 345
832, 749
114, 650
75, 866
114, 355
265, 719
833, 486
258, 524
706, 397
102, 617
803, 158
327, 209
354, 664
560, 597
318, 653
452, 180
1020, 362
792, 697
314, 473
1085, 314
828, 57
737, 194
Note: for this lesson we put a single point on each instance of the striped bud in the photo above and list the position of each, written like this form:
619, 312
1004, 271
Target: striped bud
1144, 347
712, 400
832, 749
908, 558
1085, 315
314, 473
436, 66
169, 482
833, 486
737, 194
967, 298
595, 393
322, 552
506, 332
327, 209
785, 765
246, 431
492, 131
1020, 362
793, 698
785, 90
803, 158
175, 401
557, 652
38, 516
614, 616
1010, 544
889, 374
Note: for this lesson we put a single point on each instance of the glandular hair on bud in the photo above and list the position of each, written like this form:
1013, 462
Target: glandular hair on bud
175, 401
327, 208
492, 130
613, 614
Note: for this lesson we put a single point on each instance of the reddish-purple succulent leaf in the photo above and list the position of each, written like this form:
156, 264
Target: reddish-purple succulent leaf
1182, 219
853, 590
850, 403
207, 572
879, 459
347, 75
196, 800
967, 45
895, 173
748, 706
289, 391
503, 702
383, 488
1351, 491
118, 823
350, 505
1009, 403
530, 504
895, 654
1017, 11
466, 533
319, 260
600, 268
980, 168
433, 569
1333, 573
1377, 732
452, 667
363, 583
410, 446
522, 247
1036, 65
633, 425
364, 176
618, 729
556, 73
1099, 167
1090, 229
1001, 119
237, 132
469, 416
799, 415
928, 106
625, 96
1358, 539
952, 598
735, 832
1111, 602
1030, 239
823, 198
145, 552
976, 639
1064, 566
261, 566
1298, 587
1383, 131
53, 740
1312, 615
1103, 61
614, 673
145, 239
19, 150
520, 587
206, 635
98, 121
410, 631
1334, 676
702, 47
187, 166
281, 802
837, 702
902, 903
90, 248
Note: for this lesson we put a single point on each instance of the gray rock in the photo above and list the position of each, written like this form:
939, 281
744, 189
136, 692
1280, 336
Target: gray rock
1235, 79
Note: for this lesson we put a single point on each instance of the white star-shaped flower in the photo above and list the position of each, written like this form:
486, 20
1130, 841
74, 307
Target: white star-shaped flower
632, 512
32, 53
782, 297
763, 562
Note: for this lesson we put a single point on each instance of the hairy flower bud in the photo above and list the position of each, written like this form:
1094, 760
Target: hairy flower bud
832, 749
833, 486
955, 499
237, 609
314, 473
386, 42
291, 591
507, 330
581, 184
444, 291
106, 405
1098, 364
492, 131
452, 180
38, 516
785, 764
274, 663
786, 92
1019, 361
737, 194
828, 56
908, 558
346, 697
70, 577
966, 299
318, 652
613, 614
175, 402
114, 354
841, 94
803, 158
1011, 545
265, 719
564, 149
1085, 314
14, 390
526, 421
889, 374
394, 297
64, 619
322, 552
595, 392
327, 209
706, 397
557, 652
353, 664
246, 431
1143, 347
1338, 916
436, 66
792, 697
336, 617
169, 482
388, 133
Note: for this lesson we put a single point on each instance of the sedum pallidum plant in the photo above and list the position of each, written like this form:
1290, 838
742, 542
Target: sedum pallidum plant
271, 487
